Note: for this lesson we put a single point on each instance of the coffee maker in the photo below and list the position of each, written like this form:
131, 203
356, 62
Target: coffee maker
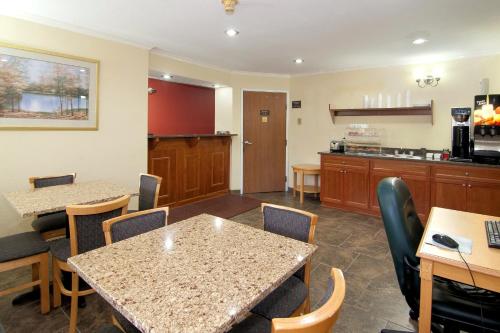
460, 133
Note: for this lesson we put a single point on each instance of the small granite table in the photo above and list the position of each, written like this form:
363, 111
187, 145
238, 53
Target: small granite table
56, 198
202, 274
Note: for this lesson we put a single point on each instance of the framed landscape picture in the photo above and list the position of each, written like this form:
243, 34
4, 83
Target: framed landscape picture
42, 90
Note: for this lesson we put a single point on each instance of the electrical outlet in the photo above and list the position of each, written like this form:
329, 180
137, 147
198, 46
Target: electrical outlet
299, 121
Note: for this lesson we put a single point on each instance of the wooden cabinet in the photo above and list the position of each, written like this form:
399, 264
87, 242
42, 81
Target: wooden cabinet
345, 182
192, 168
415, 175
467, 188
350, 183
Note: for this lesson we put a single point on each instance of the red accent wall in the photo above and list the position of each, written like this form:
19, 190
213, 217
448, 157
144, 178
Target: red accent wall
180, 109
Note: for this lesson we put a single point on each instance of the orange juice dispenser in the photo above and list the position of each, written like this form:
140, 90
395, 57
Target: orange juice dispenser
487, 130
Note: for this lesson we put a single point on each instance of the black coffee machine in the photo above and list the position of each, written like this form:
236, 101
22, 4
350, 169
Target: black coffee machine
461, 133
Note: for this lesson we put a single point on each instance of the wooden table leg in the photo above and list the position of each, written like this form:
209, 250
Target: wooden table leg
302, 187
294, 182
424, 321
44, 283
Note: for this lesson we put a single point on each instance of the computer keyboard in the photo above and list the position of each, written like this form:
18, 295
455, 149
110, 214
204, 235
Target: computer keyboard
493, 233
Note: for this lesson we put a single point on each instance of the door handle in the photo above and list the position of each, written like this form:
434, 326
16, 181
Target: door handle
247, 142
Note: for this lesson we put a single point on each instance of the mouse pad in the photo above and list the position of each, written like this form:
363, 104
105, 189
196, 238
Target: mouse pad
464, 244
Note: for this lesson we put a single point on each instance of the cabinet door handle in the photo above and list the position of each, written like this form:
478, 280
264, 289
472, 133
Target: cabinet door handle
470, 185
463, 185
466, 173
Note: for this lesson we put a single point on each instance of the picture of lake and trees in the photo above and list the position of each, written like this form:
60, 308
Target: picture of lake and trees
37, 89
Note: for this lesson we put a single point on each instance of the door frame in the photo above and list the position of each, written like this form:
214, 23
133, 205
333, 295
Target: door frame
287, 119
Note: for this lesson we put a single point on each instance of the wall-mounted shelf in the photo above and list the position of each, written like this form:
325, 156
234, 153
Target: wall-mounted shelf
425, 110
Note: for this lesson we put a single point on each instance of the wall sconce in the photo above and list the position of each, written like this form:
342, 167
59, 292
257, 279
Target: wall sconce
429, 81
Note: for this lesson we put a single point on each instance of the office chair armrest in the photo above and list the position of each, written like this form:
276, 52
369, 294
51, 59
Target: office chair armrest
414, 268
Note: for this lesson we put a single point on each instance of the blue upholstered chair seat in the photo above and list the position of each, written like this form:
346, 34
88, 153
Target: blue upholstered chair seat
48, 222
22, 245
61, 249
284, 300
253, 324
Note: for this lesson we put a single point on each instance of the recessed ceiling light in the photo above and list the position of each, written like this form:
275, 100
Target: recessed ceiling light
4, 59
167, 76
298, 61
82, 70
232, 32
217, 85
419, 41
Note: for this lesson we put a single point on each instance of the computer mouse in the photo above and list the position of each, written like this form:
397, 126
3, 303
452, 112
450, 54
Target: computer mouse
445, 241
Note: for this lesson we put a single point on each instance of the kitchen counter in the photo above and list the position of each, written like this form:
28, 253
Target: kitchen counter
350, 182
423, 160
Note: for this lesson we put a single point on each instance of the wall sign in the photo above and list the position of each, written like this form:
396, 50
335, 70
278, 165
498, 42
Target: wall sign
296, 104
264, 113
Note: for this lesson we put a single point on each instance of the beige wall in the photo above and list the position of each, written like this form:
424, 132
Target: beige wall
224, 109
116, 152
458, 87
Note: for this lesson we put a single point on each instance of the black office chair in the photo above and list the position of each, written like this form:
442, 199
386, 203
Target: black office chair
452, 306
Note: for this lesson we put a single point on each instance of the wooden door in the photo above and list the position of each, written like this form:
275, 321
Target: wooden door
264, 137
331, 183
356, 187
449, 193
482, 198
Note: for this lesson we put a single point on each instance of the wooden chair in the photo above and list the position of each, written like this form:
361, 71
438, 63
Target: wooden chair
149, 191
85, 229
27, 249
323, 319
51, 225
126, 226
300, 225
320, 321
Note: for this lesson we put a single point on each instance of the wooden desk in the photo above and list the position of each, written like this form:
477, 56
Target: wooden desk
202, 274
484, 262
302, 170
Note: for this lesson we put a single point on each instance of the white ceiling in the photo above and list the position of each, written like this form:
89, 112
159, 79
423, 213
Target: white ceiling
329, 35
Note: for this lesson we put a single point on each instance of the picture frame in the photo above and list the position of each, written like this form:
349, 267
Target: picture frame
45, 90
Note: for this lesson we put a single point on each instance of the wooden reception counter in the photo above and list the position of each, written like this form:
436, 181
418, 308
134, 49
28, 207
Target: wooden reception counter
193, 167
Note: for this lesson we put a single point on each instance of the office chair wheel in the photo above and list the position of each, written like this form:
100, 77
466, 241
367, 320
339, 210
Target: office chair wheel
413, 315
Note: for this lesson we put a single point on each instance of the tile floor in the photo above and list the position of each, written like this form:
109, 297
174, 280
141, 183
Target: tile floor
354, 243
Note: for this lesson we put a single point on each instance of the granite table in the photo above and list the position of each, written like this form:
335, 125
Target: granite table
56, 198
202, 274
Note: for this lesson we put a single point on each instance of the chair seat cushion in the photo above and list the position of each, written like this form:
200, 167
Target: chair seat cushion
22, 245
448, 302
50, 222
125, 324
253, 324
60, 248
284, 300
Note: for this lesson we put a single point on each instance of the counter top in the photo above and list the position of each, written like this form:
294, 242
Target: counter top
55, 198
180, 136
202, 274
412, 159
